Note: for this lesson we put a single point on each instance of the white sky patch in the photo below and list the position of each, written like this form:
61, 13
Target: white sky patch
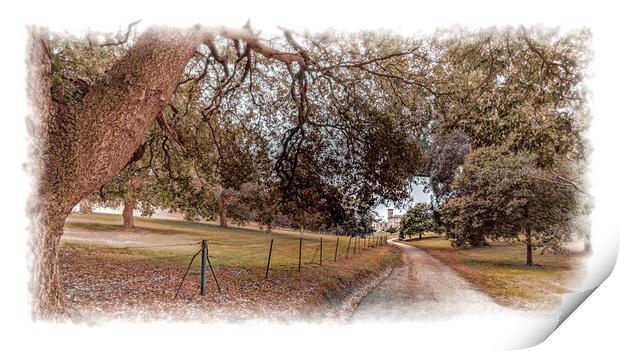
419, 195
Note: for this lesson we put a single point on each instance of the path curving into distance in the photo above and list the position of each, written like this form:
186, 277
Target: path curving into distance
422, 288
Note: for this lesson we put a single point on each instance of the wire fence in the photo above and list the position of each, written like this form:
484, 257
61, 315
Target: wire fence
268, 254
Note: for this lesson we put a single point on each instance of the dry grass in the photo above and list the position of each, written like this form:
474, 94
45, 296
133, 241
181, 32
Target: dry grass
105, 266
501, 272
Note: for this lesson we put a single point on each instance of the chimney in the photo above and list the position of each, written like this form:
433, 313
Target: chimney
390, 212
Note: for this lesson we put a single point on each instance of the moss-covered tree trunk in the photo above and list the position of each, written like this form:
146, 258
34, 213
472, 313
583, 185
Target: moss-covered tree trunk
77, 148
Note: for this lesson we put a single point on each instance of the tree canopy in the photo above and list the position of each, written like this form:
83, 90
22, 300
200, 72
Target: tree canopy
417, 220
500, 194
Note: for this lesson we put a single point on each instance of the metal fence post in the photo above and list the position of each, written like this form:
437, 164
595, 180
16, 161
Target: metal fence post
203, 269
269, 259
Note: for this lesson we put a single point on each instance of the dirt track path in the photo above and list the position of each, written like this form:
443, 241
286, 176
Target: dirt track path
422, 289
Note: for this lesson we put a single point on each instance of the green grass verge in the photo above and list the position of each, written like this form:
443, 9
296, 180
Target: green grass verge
232, 246
500, 270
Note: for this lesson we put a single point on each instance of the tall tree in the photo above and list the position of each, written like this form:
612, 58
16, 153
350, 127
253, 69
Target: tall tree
79, 147
417, 220
500, 194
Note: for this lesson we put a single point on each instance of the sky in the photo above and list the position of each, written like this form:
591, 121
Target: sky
418, 196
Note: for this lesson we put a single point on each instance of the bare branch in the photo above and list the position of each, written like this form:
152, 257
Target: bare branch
125, 38
566, 181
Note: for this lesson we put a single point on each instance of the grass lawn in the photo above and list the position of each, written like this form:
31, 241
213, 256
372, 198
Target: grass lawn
500, 271
105, 267
235, 246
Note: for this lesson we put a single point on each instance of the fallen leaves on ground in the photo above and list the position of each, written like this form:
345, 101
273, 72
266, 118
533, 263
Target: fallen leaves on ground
102, 287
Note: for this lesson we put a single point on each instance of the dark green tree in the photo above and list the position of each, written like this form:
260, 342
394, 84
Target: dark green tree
417, 220
500, 194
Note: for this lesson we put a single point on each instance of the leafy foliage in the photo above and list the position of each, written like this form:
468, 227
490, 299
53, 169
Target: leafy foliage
500, 194
320, 146
447, 154
417, 220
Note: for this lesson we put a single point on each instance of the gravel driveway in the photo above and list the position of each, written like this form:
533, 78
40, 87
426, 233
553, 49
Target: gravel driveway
422, 289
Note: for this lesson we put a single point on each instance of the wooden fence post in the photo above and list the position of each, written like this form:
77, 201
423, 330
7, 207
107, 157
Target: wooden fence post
269, 259
336, 254
348, 247
321, 254
203, 269
299, 263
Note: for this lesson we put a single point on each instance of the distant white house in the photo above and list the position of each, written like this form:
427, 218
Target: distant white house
393, 221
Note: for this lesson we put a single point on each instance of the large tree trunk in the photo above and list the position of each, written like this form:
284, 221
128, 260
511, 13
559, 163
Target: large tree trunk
223, 209
224, 218
48, 296
128, 214
528, 242
78, 148
133, 187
